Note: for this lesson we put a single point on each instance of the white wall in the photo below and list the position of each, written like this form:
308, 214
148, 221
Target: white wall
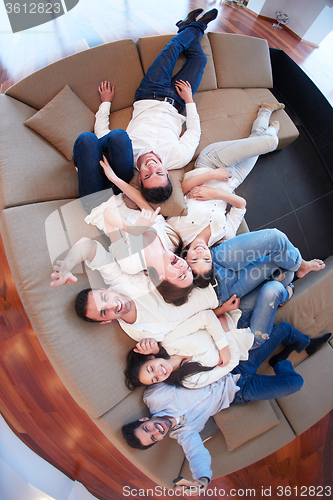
26, 476
311, 20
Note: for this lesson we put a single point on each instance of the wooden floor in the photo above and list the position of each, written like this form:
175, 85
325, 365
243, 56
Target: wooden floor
33, 401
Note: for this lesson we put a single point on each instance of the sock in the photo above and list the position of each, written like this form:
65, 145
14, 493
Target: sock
283, 354
316, 343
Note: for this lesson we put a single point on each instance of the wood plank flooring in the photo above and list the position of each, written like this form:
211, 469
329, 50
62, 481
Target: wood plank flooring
33, 400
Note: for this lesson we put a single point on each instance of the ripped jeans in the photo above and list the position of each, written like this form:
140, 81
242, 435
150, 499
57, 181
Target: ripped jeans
259, 307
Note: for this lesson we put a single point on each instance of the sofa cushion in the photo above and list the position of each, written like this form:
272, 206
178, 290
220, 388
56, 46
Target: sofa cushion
259, 415
309, 308
150, 47
89, 358
241, 61
305, 407
62, 120
228, 114
43, 172
118, 62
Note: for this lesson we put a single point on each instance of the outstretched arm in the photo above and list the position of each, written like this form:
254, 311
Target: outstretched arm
113, 220
203, 193
127, 189
84, 249
106, 92
220, 174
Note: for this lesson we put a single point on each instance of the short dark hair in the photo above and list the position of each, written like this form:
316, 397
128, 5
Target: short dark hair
171, 293
81, 305
130, 437
157, 194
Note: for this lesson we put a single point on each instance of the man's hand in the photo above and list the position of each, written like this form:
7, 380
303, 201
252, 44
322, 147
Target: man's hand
106, 92
108, 170
202, 193
184, 90
191, 488
147, 218
61, 276
224, 356
147, 346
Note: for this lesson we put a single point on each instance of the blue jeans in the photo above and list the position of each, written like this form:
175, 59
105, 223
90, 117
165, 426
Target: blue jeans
254, 387
244, 262
158, 80
88, 151
259, 307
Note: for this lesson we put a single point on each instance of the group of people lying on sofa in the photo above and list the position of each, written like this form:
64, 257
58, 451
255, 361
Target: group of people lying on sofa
201, 311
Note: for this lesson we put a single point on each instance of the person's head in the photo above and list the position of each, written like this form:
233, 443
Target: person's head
101, 305
175, 282
145, 432
153, 178
198, 256
146, 370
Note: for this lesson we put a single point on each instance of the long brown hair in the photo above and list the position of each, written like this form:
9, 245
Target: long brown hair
135, 360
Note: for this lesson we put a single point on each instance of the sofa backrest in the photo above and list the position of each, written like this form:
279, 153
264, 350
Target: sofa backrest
149, 48
118, 62
88, 357
241, 61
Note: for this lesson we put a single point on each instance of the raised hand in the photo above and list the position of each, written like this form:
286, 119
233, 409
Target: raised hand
61, 276
147, 217
147, 346
106, 91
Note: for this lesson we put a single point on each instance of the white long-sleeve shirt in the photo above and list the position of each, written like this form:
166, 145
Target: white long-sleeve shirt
156, 126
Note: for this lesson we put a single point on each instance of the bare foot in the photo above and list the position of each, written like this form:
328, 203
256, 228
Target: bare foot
290, 290
309, 265
273, 106
276, 125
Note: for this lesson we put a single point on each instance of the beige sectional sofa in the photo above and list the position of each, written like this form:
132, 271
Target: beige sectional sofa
42, 217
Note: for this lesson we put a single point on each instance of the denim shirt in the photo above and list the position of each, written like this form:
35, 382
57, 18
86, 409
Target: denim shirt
191, 408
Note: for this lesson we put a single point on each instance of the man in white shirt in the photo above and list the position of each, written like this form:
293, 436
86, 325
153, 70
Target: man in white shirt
156, 122
130, 299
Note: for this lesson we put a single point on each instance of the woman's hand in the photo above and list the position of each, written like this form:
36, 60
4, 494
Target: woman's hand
202, 193
147, 217
108, 170
147, 346
184, 90
232, 304
224, 356
106, 92
221, 174
61, 276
